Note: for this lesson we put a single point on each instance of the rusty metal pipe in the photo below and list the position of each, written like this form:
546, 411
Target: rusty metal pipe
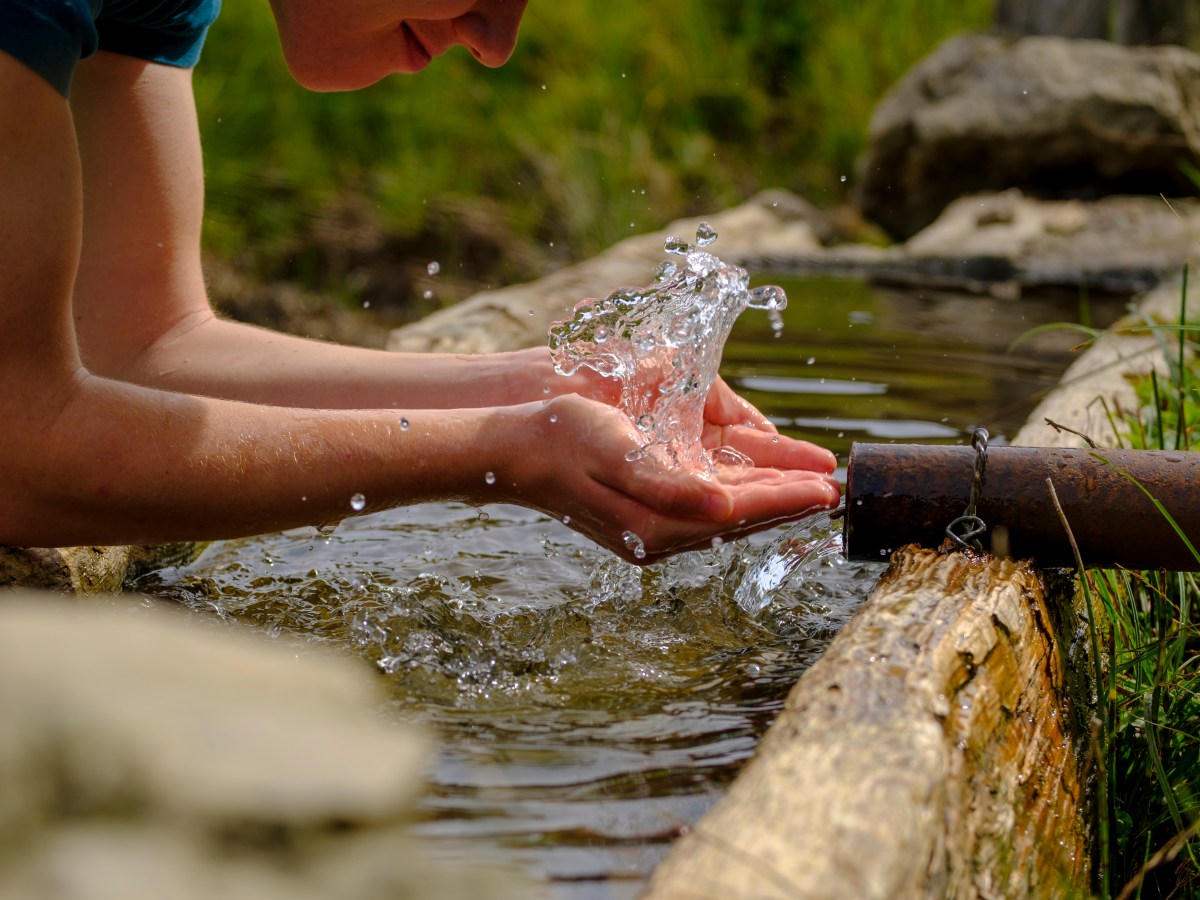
899, 494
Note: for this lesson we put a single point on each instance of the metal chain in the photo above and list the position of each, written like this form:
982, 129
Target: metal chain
966, 529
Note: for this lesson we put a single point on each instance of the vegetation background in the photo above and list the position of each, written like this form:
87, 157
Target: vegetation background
613, 118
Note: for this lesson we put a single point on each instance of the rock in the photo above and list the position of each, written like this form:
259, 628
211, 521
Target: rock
774, 223
149, 754
87, 570
1118, 244
1098, 385
1054, 117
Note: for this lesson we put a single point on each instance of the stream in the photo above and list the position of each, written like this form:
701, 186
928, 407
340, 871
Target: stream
590, 711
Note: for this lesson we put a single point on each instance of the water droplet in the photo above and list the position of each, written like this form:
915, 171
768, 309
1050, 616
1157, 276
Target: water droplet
366, 304
635, 544
553, 420
490, 477
676, 246
326, 531
358, 502
767, 296
666, 270
546, 389
705, 234
601, 335
434, 267
404, 424
483, 516
566, 520
633, 455
843, 179
428, 295
812, 360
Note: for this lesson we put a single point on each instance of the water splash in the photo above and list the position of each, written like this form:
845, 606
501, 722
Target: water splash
664, 342
798, 550
634, 544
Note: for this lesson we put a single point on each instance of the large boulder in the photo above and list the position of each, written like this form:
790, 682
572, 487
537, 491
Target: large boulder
1055, 117
147, 754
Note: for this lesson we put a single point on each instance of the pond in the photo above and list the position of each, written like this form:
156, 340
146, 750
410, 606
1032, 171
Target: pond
590, 711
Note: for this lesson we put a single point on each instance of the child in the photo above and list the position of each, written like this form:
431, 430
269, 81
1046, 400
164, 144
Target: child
134, 415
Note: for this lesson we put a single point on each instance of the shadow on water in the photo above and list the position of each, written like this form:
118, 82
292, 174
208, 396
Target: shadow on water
590, 711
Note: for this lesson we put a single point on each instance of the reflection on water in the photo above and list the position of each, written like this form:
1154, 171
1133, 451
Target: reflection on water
863, 363
589, 711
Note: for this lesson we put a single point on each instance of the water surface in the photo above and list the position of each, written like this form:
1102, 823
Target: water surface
590, 711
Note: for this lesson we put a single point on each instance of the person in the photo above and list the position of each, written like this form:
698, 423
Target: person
134, 414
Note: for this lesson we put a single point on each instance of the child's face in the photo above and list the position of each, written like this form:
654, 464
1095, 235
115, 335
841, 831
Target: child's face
352, 43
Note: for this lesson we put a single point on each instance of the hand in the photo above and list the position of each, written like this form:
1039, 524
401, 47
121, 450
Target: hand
567, 457
730, 421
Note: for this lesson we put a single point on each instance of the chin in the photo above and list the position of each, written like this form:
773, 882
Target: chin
329, 69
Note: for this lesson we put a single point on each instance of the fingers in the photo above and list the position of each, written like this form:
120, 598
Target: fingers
760, 499
678, 492
774, 450
724, 407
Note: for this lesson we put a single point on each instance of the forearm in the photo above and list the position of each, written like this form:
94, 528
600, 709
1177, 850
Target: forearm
231, 360
120, 464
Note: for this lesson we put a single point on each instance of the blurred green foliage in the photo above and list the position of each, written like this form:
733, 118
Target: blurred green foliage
612, 118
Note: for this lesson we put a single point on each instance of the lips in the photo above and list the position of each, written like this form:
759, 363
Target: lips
419, 56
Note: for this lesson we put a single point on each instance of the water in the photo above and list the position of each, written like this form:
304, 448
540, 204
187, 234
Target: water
665, 343
590, 711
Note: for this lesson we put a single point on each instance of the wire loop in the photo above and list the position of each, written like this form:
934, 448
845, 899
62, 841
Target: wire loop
969, 523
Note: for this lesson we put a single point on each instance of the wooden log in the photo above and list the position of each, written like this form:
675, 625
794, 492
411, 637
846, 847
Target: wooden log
935, 750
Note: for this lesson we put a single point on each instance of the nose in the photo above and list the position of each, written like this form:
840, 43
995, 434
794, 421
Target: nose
489, 30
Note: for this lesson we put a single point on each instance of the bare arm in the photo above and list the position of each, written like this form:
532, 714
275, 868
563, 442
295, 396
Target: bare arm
122, 443
141, 309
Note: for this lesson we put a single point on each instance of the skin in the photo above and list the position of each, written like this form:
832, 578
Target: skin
135, 415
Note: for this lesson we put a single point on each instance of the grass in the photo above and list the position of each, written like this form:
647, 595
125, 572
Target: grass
1146, 648
610, 119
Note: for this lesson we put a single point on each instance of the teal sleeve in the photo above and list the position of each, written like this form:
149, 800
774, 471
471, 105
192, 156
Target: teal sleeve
52, 36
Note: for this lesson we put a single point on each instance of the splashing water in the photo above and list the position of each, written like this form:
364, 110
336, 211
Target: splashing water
799, 550
664, 343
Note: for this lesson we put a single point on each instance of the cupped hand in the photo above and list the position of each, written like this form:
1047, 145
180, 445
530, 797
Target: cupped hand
729, 420
568, 457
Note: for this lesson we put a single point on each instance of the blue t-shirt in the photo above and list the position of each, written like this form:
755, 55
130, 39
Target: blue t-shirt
51, 36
